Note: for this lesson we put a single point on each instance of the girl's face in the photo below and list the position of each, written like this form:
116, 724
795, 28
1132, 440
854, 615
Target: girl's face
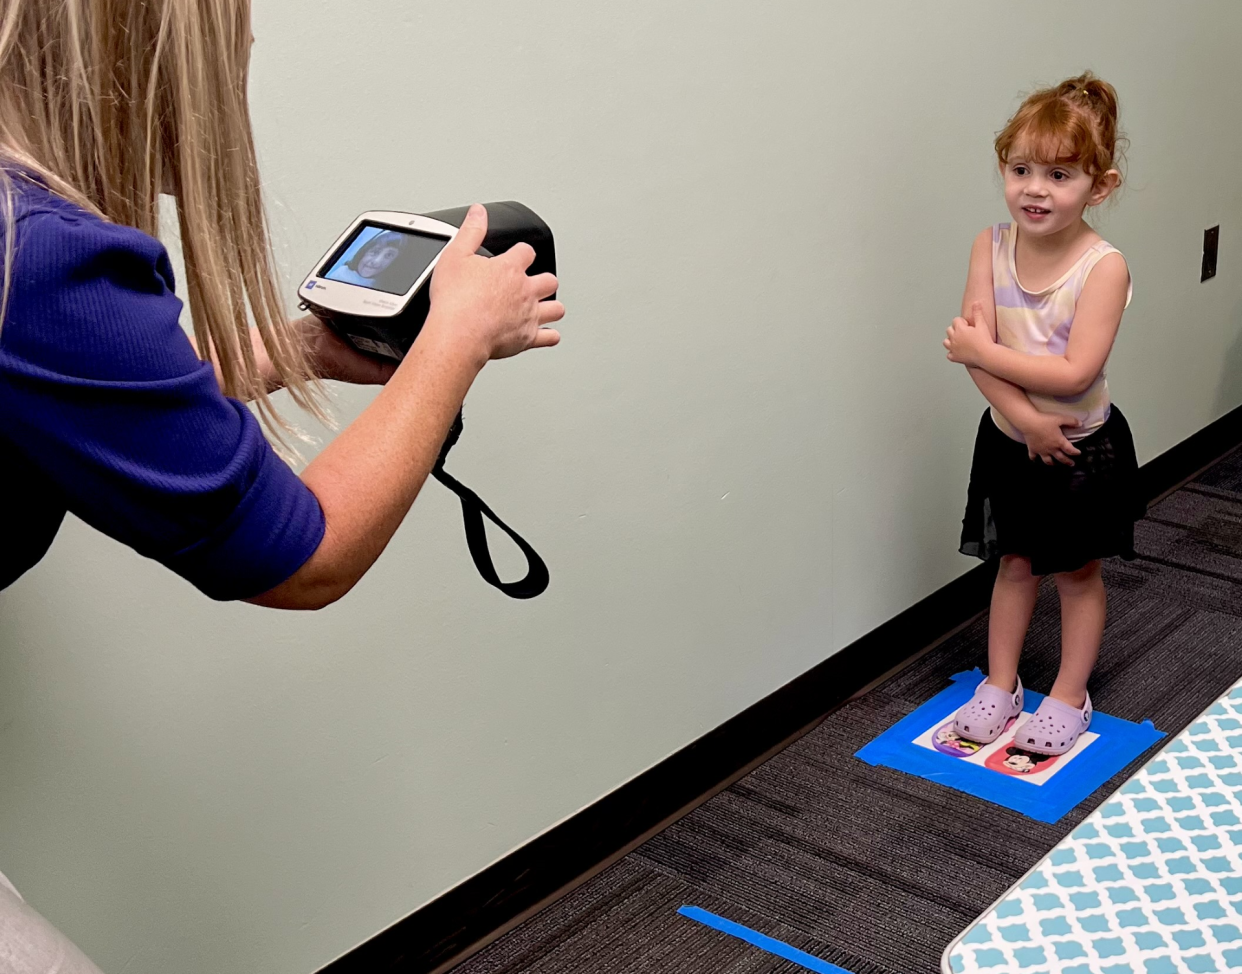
377, 260
1046, 198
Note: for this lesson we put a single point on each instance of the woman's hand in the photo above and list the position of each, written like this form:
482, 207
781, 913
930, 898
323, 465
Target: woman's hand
1046, 439
489, 302
966, 341
332, 358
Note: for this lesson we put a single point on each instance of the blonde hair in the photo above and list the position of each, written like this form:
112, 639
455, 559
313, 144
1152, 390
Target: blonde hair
110, 103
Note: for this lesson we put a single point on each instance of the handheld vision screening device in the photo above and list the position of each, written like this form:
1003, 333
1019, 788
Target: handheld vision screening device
373, 288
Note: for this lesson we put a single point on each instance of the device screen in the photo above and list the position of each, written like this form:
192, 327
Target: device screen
383, 258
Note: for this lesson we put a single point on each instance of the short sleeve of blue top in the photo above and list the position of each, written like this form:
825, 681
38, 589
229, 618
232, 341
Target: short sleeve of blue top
106, 411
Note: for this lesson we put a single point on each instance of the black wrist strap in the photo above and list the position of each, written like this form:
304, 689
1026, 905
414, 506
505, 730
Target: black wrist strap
473, 510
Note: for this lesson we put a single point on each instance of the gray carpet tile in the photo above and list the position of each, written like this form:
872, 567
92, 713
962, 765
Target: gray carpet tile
874, 870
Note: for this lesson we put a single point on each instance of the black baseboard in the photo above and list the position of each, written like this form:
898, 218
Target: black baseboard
449, 928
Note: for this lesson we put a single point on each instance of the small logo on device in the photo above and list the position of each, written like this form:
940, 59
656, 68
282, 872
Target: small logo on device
310, 285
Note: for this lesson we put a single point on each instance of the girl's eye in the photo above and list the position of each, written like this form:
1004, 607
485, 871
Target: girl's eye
1019, 170
1060, 175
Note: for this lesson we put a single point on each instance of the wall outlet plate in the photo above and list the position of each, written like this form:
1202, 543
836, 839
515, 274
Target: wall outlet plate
1211, 238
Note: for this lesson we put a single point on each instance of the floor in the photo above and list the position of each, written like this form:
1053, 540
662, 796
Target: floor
876, 871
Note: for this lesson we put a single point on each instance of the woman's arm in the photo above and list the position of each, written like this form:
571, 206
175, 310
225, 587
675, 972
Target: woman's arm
369, 475
1096, 320
330, 357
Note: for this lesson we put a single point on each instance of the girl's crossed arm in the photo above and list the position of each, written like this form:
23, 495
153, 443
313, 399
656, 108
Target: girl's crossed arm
1009, 399
1096, 320
1044, 432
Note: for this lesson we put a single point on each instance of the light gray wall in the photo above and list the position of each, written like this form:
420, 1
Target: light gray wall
748, 451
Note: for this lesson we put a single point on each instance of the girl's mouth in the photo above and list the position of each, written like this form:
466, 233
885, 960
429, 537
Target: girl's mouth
1035, 211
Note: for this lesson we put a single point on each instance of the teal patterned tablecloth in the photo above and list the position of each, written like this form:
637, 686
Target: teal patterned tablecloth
1150, 883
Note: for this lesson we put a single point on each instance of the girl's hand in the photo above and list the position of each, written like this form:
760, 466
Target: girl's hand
332, 358
1045, 438
966, 340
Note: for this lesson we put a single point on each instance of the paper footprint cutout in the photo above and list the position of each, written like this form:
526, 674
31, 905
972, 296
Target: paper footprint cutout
947, 741
1013, 760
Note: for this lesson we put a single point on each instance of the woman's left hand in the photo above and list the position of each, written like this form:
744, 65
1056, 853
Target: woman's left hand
967, 340
332, 358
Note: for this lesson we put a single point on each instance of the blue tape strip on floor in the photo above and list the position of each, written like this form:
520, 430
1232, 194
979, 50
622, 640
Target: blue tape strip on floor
1119, 743
756, 939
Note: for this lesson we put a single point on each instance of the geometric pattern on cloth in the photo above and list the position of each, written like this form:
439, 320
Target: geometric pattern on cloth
1150, 883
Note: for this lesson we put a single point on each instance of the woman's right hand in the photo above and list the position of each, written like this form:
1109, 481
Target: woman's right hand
1046, 439
489, 303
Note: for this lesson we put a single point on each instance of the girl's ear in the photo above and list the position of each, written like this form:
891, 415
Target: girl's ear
1105, 185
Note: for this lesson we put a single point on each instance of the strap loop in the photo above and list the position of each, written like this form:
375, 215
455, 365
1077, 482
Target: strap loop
473, 510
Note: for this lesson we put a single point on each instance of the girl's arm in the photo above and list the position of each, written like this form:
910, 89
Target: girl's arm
1096, 320
1009, 399
1044, 432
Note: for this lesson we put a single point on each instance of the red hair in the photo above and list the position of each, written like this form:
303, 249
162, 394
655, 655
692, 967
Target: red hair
1073, 123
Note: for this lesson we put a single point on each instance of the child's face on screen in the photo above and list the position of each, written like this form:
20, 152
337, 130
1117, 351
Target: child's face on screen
377, 260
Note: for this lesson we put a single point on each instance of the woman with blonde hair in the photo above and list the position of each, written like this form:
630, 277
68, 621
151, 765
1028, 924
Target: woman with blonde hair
109, 410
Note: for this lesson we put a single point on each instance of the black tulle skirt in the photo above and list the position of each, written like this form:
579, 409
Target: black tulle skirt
1059, 517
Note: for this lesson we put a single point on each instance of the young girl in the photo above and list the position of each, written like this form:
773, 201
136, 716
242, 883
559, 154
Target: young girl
1053, 483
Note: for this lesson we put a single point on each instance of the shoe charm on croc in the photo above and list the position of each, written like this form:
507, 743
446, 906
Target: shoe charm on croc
988, 713
1055, 727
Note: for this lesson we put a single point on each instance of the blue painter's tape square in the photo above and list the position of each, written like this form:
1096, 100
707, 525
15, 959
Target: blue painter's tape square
1119, 743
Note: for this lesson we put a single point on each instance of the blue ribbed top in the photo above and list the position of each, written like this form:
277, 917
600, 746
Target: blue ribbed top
106, 411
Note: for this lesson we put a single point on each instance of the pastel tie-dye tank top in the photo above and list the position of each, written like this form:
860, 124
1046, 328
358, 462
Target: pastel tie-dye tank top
1038, 323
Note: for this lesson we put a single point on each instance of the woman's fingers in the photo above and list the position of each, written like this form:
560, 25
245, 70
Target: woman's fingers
522, 254
550, 311
546, 338
544, 285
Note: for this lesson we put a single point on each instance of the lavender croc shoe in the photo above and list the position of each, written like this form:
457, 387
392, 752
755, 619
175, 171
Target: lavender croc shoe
988, 713
1054, 728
